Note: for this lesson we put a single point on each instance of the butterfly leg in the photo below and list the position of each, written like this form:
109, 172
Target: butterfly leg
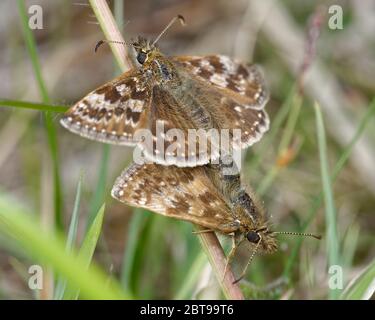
232, 252
202, 231
248, 262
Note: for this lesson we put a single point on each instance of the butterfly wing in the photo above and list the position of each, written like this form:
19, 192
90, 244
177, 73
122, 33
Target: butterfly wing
244, 83
239, 90
182, 193
174, 138
113, 112
129, 109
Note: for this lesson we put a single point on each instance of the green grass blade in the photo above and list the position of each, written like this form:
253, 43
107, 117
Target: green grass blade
286, 139
87, 249
369, 114
72, 235
291, 123
136, 225
33, 106
270, 136
92, 236
365, 120
73, 227
330, 210
363, 286
100, 191
191, 278
49, 249
31, 47
144, 242
49, 123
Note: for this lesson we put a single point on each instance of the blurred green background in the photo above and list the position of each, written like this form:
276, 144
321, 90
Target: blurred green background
314, 169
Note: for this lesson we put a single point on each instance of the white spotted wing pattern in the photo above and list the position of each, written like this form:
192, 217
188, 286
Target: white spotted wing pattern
211, 92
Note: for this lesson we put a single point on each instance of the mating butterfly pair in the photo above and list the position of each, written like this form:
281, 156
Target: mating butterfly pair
184, 93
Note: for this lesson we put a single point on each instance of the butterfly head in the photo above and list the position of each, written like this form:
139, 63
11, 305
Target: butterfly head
145, 50
262, 238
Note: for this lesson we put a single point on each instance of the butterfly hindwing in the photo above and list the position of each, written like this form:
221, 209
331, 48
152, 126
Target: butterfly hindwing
183, 193
244, 83
238, 91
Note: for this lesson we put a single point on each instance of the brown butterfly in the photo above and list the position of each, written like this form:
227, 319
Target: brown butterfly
183, 92
205, 196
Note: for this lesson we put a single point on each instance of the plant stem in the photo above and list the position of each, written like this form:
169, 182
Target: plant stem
216, 256
109, 27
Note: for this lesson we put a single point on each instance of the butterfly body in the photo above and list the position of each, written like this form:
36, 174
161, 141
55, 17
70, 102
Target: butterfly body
180, 93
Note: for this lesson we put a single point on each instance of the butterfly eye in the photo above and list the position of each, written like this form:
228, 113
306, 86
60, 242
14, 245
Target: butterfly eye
141, 57
253, 237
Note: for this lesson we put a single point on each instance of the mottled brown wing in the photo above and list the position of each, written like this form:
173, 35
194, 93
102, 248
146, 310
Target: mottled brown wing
170, 142
239, 92
113, 112
182, 193
245, 84
252, 123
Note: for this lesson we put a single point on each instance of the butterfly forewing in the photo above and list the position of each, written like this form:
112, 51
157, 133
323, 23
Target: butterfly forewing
183, 193
183, 93
113, 112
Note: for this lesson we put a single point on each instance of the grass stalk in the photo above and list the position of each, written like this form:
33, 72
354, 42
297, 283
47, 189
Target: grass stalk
330, 210
48, 116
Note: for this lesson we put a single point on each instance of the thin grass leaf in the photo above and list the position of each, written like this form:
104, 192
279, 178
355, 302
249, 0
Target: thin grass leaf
270, 136
49, 123
291, 123
136, 224
350, 243
286, 139
92, 236
190, 281
72, 235
144, 243
316, 204
87, 249
49, 249
31, 47
33, 105
363, 286
73, 227
100, 191
330, 210
366, 118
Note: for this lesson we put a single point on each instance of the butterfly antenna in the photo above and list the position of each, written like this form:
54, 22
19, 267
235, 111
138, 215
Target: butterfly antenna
299, 234
249, 261
179, 17
107, 41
